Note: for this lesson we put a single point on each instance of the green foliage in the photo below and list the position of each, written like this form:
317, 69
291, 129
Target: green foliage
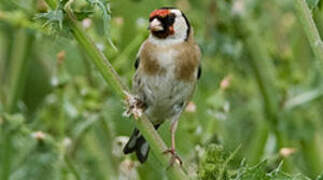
260, 90
53, 17
218, 164
104, 6
215, 164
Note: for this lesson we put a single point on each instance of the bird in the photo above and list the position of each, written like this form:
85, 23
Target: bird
168, 67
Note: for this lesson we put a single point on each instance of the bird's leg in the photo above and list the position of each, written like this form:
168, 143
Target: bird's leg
172, 150
134, 106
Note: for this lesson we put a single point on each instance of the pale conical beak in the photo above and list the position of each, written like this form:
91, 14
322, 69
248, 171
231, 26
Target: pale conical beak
155, 25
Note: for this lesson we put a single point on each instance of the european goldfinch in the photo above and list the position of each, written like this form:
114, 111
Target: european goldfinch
167, 70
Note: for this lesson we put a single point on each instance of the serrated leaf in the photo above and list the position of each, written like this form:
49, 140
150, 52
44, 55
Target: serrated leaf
52, 17
214, 165
104, 6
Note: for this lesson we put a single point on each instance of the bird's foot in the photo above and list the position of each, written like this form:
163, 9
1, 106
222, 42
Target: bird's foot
134, 106
174, 157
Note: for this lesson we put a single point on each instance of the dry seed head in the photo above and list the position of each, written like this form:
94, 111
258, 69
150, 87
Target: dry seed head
60, 57
39, 135
225, 83
191, 107
286, 151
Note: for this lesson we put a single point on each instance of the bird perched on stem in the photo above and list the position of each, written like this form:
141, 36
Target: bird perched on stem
167, 70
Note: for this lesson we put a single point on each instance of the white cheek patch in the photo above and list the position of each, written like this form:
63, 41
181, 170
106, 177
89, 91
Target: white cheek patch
176, 12
180, 28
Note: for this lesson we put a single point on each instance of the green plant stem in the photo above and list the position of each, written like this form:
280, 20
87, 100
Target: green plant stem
71, 167
52, 3
60, 91
123, 58
313, 36
8, 41
112, 165
110, 75
18, 67
88, 67
256, 148
310, 148
6, 156
263, 69
312, 157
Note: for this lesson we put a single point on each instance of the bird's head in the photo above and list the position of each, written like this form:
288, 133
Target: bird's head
169, 23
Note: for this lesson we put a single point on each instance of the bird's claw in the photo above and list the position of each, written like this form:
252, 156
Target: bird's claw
134, 106
174, 157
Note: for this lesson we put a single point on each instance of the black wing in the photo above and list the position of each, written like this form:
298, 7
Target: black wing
199, 72
137, 62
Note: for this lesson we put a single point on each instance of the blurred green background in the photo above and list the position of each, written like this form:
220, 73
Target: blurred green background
260, 93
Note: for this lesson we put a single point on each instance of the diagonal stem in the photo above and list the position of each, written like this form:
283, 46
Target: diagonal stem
157, 145
313, 36
311, 148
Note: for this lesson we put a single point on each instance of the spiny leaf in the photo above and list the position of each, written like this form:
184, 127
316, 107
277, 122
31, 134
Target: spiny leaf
215, 165
104, 6
52, 17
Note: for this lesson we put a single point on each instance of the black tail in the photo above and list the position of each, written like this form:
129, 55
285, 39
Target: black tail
138, 144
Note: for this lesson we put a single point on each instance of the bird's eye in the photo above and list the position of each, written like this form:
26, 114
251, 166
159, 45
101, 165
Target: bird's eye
171, 18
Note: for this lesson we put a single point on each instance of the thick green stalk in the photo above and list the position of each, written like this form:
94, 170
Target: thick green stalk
18, 66
310, 148
123, 58
52, 3
4, 64
111, 76
264, 73
313, 36
6, 156
71, 167
256, 148
112, 165
263, 69
312, 157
